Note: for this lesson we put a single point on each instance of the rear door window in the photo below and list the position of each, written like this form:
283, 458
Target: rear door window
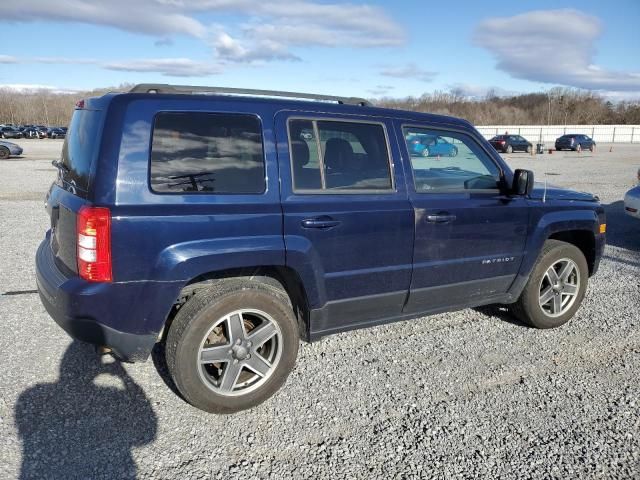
200, 152
339, 156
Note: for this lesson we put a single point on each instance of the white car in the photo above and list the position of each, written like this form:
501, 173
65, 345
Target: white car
632, 202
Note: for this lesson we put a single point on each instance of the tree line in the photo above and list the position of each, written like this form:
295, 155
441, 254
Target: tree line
556, 107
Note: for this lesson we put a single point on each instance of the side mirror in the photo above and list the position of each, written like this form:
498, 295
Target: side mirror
522, 182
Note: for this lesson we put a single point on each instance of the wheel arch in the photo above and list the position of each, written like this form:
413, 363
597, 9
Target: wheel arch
584, 240
278, 276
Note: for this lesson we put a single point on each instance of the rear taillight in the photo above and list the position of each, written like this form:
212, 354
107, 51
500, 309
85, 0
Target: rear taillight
572, 140
502, 142
94, 244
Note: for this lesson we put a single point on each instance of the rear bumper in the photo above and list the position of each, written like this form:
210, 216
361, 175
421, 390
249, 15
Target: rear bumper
86, 310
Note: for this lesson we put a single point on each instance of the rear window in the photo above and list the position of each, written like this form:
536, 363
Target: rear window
196, 152
79, 150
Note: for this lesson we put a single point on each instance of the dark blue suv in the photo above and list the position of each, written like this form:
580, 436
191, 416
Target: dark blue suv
229, 224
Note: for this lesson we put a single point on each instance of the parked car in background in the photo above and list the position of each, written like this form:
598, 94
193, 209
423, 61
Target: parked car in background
632, 199
632, 202
10, 132
511, 143
8, 149
41, 131
30, 132
55, 133
430, 146
576, 142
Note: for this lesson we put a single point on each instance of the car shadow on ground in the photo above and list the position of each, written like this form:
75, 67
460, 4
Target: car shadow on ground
158, 356
80, 426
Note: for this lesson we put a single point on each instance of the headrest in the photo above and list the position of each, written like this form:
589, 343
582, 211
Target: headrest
338, 154
299, 153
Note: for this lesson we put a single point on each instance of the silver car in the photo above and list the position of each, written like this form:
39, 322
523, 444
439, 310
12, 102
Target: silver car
8, 148
632, 200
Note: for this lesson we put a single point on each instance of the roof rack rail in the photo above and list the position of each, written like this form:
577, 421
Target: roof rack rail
189, 89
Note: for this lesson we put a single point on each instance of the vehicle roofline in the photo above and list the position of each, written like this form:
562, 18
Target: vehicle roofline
287, 104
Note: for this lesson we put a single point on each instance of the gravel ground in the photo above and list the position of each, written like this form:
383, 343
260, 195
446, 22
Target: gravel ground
467, 394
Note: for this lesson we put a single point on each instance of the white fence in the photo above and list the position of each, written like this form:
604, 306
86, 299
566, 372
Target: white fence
537, 133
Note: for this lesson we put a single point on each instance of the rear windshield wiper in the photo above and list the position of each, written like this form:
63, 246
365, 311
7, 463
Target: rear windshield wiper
60, 166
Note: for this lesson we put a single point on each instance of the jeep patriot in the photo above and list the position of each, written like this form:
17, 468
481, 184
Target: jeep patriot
231, 224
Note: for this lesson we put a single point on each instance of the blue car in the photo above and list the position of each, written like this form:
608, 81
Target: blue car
430, 146
232, 225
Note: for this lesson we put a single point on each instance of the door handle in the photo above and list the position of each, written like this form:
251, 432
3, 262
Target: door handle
441, 218
320, 222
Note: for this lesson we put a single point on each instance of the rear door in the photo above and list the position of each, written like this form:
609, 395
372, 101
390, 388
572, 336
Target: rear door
469, 236
348, 224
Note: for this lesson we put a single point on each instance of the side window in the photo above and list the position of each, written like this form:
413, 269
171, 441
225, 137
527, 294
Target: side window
333, 155
455, 163
207, 153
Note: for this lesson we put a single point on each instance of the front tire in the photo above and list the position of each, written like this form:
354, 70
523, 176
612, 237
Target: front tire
579, 148
4, 153
232, 345
556, 287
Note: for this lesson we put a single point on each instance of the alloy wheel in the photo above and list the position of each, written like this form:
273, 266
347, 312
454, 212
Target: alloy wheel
559, 287
240, 352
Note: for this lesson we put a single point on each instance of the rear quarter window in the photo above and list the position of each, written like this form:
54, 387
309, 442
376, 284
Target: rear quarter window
215, 153
79, 150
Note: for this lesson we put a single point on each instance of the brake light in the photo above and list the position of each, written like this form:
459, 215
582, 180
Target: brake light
502, 142
94, 244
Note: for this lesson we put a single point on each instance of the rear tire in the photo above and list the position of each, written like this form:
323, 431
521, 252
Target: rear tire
579, 148
204, 327
564, 296
425, 152
4, 153
592, 148
509, 149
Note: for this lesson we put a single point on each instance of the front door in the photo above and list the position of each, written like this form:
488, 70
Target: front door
348, 223
469, 235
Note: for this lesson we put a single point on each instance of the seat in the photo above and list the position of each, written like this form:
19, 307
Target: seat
303, 178
339, 162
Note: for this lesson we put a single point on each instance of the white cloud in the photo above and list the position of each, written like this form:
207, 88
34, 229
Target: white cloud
174, 67
30, 87
474, 91
551, 46
380, 90
140, 16
8, 59
269, 32
410, 70
232, 49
